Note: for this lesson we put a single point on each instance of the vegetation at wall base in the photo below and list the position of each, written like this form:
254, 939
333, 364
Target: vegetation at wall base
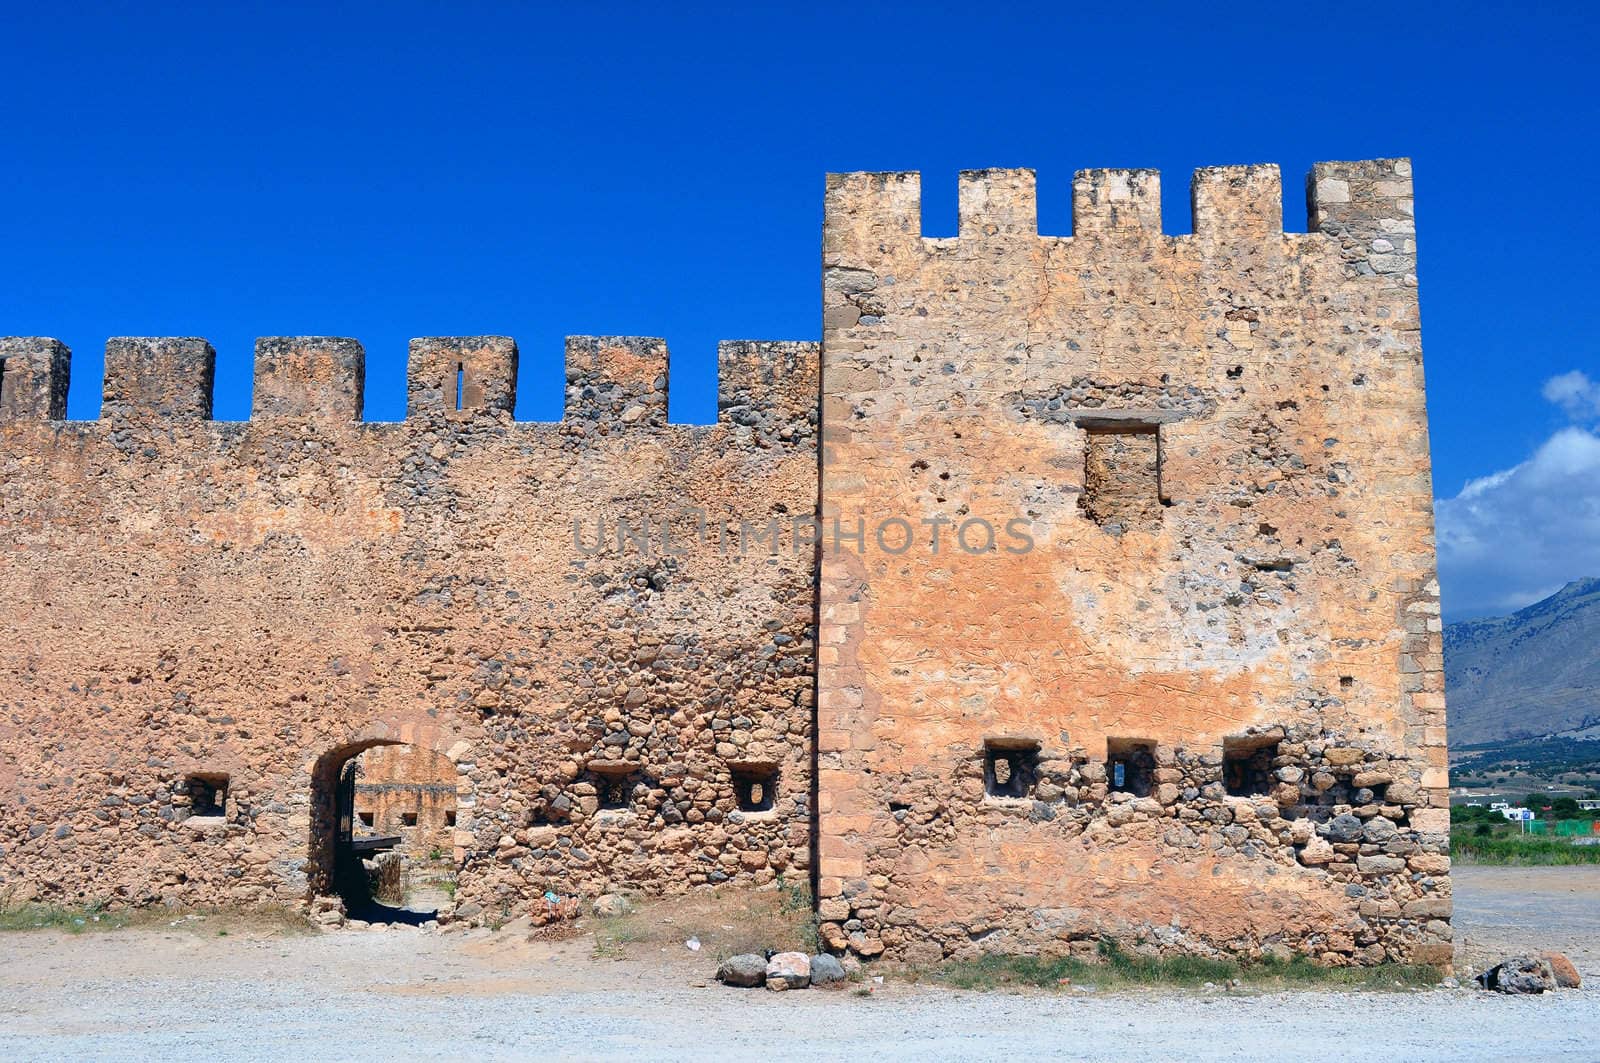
1116, 968
60, 917
97, 915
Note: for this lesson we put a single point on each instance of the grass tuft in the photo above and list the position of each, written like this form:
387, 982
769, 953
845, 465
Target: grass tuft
725, 922
95, 916
60, 917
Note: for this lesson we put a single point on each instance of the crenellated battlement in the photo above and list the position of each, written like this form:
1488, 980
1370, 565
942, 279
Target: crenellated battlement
461, 375
1367, 207
158, 378
309, 377
769, 387
997, 204
620, 378
34, 373
872, 215
1116, 201
1237, 203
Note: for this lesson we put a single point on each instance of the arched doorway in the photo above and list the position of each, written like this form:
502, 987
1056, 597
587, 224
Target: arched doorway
387, 811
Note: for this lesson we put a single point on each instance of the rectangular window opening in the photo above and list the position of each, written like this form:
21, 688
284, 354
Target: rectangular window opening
1010, 767
616, 792
366, 818
614, 783
449, 819
1122, 476
1247, 765
408, 819
755, 788
1131, 765
208, 794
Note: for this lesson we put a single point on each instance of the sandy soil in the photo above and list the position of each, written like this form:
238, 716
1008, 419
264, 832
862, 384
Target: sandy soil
184, 992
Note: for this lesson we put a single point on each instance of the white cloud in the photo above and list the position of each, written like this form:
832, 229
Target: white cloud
1518, 535
1575, 393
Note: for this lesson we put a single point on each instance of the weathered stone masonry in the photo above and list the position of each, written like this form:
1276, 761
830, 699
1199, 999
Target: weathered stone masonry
263, 600
1213, 687
1173, 673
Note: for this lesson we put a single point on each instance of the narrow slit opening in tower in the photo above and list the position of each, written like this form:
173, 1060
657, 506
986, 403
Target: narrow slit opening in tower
461, 384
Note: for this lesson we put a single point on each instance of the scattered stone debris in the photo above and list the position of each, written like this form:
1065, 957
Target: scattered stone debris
826, 970
788, 970
1531, 973
745, 971
327, 911
609, 905
554, 910
1565, 973
782, 971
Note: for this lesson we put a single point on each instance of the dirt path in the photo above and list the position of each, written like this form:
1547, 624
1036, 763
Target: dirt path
186, 993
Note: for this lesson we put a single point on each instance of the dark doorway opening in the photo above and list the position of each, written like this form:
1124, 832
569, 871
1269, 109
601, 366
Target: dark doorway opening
383, 831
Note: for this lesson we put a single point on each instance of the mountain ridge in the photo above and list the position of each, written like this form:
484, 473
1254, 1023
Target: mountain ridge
1535, 672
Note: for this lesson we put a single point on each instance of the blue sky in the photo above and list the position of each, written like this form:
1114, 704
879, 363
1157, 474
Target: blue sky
392, 170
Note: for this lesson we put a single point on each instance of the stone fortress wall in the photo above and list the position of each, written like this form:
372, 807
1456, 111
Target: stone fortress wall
1171, 674
254, 603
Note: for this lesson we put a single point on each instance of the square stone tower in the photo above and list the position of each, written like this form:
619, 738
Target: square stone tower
1128, 620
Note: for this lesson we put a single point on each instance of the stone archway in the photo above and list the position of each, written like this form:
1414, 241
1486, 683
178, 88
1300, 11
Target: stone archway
329, 832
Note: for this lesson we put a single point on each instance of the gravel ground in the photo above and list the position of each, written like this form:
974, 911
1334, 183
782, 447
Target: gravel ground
1514, 909
186, 993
